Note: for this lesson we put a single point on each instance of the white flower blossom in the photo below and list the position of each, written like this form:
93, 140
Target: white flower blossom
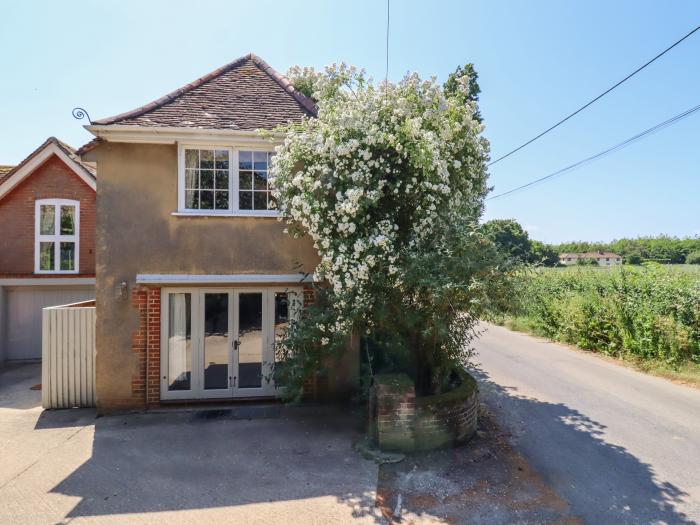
381, 172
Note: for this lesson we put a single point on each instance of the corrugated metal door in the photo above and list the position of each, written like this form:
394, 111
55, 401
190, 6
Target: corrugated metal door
24, 305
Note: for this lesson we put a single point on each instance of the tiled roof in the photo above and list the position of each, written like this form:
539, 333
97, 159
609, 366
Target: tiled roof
89, 146
4, 171
246, 94
87, 167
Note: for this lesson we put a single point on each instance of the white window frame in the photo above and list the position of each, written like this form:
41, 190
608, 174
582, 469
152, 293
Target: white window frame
197, 391
56, 238
233, 210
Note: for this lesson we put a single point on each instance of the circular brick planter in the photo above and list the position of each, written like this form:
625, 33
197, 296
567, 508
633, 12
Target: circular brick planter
406, 423
447, 419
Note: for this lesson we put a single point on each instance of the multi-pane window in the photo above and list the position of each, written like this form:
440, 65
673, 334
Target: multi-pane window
207, 179
253, 187
225, 180
57, 236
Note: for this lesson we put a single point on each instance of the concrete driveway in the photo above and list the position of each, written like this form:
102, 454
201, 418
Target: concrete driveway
252, 464
249, 465
618, 445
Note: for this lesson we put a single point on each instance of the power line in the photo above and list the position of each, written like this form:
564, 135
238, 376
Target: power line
533, 139
603, 153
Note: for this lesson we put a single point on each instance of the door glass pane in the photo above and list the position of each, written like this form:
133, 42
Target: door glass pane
250, 337
281, 320
179, 341
215, 340
47, 224
67, 220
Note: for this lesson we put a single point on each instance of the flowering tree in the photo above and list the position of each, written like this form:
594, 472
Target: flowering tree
389, 182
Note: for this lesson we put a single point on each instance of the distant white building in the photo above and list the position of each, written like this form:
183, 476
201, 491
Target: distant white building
602, 258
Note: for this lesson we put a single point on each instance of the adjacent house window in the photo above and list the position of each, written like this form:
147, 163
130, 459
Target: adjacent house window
224, 181
57, 231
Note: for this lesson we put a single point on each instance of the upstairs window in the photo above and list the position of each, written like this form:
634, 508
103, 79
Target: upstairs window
253, 188
207, 179
224, 181
57, 234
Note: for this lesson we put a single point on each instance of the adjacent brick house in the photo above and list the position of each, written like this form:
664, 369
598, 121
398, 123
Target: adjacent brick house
47, 246
195, 275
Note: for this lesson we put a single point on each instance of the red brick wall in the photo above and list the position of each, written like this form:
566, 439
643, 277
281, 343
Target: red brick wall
51, 180
139, 300
145, 343
403, 422
309, 296
153, 348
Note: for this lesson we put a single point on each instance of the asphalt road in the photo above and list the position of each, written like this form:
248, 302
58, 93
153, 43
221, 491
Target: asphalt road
618, 445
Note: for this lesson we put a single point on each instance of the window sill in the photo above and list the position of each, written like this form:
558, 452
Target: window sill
264, 214
65, 272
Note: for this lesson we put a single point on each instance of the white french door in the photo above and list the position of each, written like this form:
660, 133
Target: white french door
220, 342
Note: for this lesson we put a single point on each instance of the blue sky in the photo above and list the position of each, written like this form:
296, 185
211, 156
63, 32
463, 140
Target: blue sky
537, 61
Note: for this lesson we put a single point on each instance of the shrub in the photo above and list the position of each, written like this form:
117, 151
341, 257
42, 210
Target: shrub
389, 182
693, 258
652, 312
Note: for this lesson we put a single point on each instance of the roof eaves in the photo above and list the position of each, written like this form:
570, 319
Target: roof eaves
68, 150
82, 150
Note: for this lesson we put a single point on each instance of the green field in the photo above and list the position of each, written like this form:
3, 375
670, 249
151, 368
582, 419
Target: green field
649, 314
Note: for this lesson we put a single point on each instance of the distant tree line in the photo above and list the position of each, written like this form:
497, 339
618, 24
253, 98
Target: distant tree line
514, 241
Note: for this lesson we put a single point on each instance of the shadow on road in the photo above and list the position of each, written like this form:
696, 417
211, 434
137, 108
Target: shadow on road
602, 482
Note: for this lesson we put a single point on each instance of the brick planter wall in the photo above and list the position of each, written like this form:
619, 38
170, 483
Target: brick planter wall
395, 406
406, 423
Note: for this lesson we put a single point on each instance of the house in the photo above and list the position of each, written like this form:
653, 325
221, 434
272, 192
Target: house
195, 273
602, 258
47, 245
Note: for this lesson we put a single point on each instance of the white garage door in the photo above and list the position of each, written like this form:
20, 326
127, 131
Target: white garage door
24, 305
